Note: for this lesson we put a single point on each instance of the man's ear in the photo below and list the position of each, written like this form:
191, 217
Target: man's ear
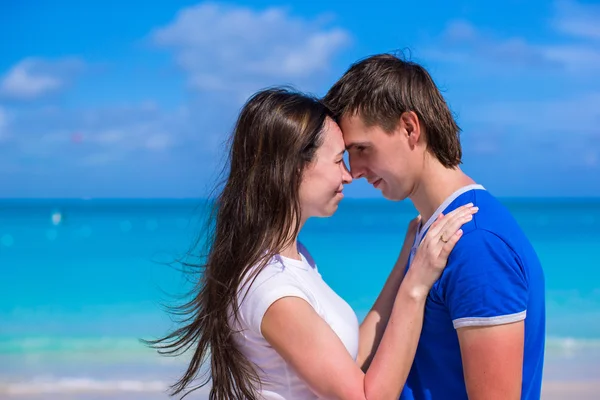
410, 127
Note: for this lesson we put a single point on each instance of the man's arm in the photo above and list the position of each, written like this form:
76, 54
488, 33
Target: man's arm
493, 360
487, 293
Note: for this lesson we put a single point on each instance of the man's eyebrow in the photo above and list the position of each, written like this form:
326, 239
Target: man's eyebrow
357, 144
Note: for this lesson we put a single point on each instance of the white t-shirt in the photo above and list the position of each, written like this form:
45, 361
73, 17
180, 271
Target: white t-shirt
284, 277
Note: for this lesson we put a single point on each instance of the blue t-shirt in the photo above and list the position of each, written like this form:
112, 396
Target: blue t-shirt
493, 277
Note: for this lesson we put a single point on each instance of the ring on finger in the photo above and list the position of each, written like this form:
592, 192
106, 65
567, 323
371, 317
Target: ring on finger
443, 239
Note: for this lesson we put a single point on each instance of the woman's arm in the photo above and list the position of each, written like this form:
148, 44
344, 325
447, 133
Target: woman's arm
316, 353
373, 326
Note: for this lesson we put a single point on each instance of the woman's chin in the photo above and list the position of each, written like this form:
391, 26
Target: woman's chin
333, 208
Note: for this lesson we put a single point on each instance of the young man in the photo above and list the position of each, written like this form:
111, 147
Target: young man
484, 326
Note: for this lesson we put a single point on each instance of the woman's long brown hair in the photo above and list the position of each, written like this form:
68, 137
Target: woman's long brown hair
254, 217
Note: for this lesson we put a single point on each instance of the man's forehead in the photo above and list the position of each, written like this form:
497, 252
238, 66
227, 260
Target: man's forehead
354, 131
351, 121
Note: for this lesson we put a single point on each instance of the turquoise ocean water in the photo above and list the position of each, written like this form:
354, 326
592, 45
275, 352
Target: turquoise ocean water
78, 291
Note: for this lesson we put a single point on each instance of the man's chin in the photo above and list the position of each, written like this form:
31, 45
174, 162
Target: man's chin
392, 196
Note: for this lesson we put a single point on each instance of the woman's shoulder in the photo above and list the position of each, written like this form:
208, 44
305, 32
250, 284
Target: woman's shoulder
271, 274
261, 287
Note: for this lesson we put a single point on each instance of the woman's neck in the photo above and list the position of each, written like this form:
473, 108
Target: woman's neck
291, 251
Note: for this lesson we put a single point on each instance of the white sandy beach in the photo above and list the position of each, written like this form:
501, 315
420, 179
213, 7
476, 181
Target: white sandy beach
553, 390
567, 376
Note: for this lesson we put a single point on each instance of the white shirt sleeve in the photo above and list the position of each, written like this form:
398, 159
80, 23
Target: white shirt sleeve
271, 284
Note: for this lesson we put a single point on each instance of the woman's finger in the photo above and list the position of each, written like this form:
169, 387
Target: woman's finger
437, 221
468, 209
459, 210
449, 246
452, 227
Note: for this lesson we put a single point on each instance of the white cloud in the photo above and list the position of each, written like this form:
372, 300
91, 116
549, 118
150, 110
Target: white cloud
104, 150
158, 141
569, 115
237, 49
558, 132
466, 44
459, 30
590, 158
4, 134
115, 143
576, 19
573, 58
96, 136
3, 119
6, 124
99, 159
555, 127
35, 77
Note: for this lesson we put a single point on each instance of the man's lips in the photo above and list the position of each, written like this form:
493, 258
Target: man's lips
376, 182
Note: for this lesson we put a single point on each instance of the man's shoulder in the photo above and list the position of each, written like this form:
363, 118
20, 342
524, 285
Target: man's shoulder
477, 239
492, 219
487, 238
483, 199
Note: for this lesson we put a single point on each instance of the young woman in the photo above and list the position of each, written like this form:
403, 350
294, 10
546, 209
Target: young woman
261, 314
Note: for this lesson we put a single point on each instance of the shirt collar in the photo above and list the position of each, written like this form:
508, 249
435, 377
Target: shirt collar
423, 228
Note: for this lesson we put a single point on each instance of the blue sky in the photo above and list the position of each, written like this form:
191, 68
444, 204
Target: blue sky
136, 99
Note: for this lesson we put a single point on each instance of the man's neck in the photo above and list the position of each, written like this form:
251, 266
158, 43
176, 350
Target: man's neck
437, 183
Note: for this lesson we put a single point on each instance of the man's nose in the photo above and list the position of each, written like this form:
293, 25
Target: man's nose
356, 169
